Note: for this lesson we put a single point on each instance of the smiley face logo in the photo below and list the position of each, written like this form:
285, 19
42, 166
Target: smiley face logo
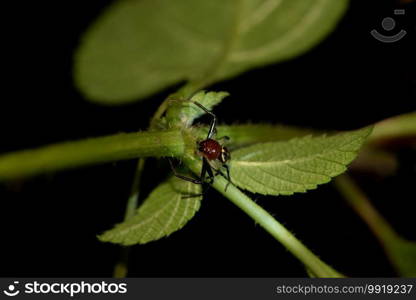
11, 290
389, 24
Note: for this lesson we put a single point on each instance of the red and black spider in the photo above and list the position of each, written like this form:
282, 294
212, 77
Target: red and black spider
214, 154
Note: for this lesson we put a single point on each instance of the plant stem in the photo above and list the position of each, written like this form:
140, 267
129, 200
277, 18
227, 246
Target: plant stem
400, 252
121, 268
362, 206
271, 225
186, 92
135, 189
401, 126
91, 151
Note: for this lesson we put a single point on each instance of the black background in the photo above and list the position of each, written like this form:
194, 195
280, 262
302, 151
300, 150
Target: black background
49, 223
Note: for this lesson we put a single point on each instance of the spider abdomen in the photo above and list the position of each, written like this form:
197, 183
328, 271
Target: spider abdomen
210, 148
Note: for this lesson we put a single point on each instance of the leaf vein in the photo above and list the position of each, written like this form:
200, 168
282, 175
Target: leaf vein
281, 178
249, 175
307, 171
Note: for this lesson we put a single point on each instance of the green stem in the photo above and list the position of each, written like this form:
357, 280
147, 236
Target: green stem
271, 225
401, 126
400, 252
362, 206
135, 190
186, 92
91, 151
121, 268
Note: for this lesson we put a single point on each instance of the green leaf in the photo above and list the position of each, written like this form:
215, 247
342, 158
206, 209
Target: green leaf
298, 165
167, 209
183, 112
247, 134
136, 48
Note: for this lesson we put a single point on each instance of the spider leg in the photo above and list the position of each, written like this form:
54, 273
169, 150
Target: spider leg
227, 176
190, 179
208, 169
213, 125
186, 178
203, 170
227, 168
